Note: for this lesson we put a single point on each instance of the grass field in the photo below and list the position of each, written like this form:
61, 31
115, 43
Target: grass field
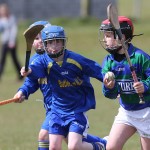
20, 123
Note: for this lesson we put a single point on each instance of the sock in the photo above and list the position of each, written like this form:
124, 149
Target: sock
92, 139
95, 146
43, 145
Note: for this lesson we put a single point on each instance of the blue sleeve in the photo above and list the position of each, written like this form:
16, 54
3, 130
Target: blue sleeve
38, 67
91, 68
35, 56
146, 72
29, 87
111, 93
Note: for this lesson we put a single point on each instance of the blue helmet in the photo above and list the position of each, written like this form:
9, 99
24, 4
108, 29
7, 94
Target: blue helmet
54, 32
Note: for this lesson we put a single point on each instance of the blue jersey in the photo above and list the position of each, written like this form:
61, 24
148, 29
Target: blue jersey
69, 81
36, 55
32, 85
129, 99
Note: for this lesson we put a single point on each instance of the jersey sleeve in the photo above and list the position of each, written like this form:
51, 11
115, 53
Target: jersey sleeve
145, 60
29, 87
91, 68
38, 67
109, 93
106, 65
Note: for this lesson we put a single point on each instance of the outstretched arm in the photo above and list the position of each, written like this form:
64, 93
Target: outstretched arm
20, 96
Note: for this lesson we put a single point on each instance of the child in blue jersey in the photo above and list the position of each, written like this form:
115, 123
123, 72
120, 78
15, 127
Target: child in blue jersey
72, 93
28, 88
31, 86
132, 116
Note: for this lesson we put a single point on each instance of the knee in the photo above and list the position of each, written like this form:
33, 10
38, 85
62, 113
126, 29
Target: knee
74, 147
43, 135
54, 147
112, 147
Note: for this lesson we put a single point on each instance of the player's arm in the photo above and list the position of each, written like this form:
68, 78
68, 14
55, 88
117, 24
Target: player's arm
19, 95
110, 88
38, 68
109, 80
111, 93
143, 86
91, 68
25, 73
29, 87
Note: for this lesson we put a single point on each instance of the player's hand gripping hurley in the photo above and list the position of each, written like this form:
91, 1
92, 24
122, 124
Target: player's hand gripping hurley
112, 14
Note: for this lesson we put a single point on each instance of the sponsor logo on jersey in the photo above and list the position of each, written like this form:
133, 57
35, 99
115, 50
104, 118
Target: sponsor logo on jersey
126, 86
65, 83
120, 69
64, 72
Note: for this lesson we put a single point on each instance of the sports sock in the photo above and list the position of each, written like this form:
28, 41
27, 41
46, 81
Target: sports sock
92, 139
43, 145
95, 146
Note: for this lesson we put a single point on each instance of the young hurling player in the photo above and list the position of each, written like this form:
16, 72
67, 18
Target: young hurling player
31, 86
132, 116
72, 94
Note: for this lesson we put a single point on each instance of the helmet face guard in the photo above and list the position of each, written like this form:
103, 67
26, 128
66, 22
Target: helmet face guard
106, 29
109, 41
54, 34
40, 51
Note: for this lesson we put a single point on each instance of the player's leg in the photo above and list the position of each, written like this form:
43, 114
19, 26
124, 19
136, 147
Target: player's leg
56, 131
56, 141
145, 143
75, 142
119, 134
122, 129
78, 129
142, 123
43, 139
92, 138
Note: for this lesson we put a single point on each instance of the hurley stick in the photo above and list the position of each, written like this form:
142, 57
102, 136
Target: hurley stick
30, 34
112, 14
8, 101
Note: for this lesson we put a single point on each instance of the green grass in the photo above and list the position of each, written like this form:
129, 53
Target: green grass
20, 123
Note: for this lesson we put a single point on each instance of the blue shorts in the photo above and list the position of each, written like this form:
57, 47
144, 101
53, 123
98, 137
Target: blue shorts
63, 124
45, 124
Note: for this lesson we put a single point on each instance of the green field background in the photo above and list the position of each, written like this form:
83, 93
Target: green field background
20, 123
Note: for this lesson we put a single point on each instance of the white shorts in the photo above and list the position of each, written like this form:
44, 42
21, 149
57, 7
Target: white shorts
139, 119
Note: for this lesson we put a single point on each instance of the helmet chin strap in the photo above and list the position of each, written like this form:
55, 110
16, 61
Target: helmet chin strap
40, 51
114, 50
56, 55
